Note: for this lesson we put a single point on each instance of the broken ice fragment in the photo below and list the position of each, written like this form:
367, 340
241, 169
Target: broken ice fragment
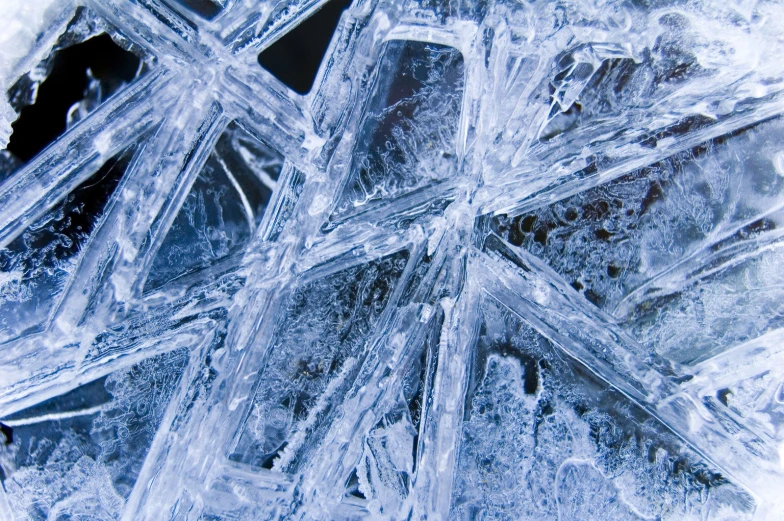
407, 137
522, 454
224, 207
78, 455
36, 265
317, 347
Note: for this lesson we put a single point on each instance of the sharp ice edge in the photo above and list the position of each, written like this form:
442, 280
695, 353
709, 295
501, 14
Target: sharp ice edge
506, 259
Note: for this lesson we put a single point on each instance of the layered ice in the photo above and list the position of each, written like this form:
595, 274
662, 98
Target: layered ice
495, 260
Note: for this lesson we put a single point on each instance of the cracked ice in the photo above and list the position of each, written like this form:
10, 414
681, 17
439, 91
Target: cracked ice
503, 260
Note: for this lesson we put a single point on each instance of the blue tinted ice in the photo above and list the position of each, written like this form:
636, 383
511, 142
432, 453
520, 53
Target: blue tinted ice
502, 260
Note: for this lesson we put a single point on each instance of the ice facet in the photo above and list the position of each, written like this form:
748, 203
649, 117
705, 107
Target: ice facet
223, 208
36, 265
545, 439
320, 343
79, 454
670, 236
407, 138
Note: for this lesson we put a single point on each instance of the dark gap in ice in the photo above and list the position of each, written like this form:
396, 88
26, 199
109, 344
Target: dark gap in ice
204, 8
655, 193
685, 126
562, 122
422, 266
723, 396
531, 383
87, 396
352, 485
516, 237
295, 58
43, 122
418, 388
8, 434
269, 459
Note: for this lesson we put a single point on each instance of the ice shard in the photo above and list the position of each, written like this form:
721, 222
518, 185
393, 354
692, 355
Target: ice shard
399, 259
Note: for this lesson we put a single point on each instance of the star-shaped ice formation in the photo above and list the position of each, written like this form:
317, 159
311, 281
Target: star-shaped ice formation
505, 259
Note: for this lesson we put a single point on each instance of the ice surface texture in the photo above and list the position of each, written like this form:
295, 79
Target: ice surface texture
504, 260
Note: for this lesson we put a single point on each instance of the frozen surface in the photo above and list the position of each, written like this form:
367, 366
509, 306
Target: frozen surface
504, 260
315, 352
222, 209
544, 439
79, 454
36, 265
407, 135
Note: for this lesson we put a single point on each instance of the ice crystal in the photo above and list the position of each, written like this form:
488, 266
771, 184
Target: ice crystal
399, 259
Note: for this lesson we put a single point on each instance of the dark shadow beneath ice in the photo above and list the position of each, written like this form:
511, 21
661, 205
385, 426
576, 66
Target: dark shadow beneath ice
90, 71
295, 58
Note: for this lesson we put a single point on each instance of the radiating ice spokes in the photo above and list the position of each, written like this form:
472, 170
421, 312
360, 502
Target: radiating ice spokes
621, 363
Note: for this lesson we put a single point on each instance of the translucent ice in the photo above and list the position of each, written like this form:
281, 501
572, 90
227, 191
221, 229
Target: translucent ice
452, 260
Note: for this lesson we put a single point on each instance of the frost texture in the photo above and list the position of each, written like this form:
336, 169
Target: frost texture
505, 260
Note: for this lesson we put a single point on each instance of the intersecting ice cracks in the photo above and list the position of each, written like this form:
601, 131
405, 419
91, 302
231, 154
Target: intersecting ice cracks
506, 259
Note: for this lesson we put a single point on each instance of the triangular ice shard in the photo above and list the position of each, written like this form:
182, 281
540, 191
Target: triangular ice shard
537, 425
223, 209
91, 442
666, 248
408, 133
318, 348
35, 267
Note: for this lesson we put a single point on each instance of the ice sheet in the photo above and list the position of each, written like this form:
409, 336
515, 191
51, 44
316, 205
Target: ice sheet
504, 260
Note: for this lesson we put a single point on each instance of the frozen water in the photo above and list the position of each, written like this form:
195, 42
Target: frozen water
222, 210
320, 344
495, 260
38, 262
79, 454
544, 439
407, 137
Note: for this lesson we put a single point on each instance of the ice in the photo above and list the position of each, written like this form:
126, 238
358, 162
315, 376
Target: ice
320, 344
543, 439
36, 265
81, 71
653, 247
24, 22
450, 260
80, 453
406, 139
222, 209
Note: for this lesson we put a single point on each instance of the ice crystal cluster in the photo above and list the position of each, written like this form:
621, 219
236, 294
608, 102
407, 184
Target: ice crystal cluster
492, 259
